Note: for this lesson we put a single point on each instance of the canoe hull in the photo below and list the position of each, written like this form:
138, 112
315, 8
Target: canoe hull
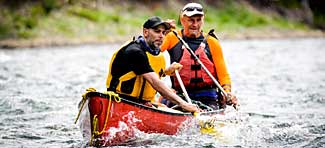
115, 121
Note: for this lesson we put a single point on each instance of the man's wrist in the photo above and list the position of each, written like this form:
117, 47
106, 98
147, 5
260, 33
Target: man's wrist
168, 72
226, 87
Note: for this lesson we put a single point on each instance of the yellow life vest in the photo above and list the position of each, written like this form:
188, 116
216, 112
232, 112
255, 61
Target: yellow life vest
157, 63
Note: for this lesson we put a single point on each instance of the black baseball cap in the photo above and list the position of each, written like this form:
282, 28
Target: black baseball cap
155, 21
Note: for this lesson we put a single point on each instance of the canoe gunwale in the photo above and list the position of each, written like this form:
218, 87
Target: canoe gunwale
102, 95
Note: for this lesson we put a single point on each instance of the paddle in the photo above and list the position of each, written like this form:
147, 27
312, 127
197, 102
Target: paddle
188, 99
185, 94
204, 68
205, 121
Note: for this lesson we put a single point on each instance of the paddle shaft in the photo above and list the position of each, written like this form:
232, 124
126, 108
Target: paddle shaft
188, 99
202, 65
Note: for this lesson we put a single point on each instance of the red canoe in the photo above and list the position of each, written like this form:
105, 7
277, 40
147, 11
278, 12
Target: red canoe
113, 120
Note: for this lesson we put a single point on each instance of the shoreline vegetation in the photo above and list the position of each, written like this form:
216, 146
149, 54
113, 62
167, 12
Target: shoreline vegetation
66, 22
51, 42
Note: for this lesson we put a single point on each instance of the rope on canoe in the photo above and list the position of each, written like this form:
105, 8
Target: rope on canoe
117, 99
84, 98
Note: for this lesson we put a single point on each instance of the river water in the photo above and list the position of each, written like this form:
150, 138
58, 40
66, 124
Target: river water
280, 85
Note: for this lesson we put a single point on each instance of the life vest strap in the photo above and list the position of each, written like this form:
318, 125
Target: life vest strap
142, 89
196, 80
192, 57
113, 84
195, 67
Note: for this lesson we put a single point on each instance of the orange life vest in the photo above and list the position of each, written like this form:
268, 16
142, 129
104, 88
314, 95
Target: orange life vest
174, 47
192, 74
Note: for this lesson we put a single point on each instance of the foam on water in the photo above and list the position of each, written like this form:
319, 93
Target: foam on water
279, 83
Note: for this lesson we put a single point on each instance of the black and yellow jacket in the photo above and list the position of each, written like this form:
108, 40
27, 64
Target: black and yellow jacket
129, 83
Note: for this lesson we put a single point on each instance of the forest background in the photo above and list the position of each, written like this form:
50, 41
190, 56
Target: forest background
36, 23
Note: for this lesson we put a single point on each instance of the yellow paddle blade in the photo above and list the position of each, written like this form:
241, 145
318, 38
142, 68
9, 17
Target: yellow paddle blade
213, 129
224, 128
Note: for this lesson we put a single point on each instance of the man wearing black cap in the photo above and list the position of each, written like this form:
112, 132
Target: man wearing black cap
136, 68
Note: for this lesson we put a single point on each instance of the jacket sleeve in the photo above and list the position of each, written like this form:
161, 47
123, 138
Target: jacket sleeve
219, 63
169, 42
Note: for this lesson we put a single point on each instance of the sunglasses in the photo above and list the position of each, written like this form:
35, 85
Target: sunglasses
193, 8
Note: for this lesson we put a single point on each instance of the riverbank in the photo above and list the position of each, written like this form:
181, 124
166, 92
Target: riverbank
62, 23
243, 35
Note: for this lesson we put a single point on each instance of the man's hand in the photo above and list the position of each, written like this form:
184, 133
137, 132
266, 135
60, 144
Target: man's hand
189, 107
172, 23
172, 68
233, 99
230, 99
